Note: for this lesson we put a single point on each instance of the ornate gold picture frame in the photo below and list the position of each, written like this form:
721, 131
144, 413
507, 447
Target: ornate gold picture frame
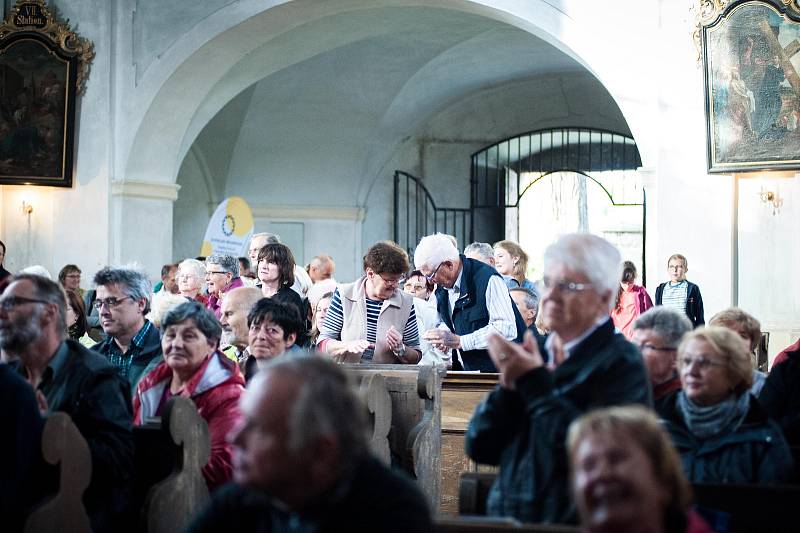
752, 87
43, 68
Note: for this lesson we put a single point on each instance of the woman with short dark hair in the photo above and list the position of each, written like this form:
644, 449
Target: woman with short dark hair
193, 367
371, 319
70, 278
276, 275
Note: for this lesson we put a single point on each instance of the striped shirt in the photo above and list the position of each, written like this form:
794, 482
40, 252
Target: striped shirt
334, 322
674, 296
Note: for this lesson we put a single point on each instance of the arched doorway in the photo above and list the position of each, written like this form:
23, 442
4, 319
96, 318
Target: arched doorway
542, 184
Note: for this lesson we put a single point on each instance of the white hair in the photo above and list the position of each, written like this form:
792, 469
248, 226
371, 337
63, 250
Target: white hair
195, 266
163, 302
593, 256
433, 250
37, 270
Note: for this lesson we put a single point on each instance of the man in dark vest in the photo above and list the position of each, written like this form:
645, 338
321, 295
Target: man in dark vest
472, 300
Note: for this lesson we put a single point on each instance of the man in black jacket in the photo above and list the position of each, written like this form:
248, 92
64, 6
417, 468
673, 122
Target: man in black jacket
67, 377
472, 300
583, 364
301, 461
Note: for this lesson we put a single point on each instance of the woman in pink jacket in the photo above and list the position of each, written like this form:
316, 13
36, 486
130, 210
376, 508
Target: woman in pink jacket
632, 301
193, 367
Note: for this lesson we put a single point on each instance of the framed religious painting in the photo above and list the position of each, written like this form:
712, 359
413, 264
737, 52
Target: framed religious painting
752, 87
43, 69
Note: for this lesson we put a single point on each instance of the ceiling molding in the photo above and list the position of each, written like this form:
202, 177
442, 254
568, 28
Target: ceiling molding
145, 189
305, 212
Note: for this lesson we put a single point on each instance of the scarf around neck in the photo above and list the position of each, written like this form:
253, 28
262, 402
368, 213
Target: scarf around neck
711, 420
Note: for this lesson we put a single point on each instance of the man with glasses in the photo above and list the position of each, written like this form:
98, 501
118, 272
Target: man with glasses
68, 377
521, 426
472, 300
132, 342
658, 332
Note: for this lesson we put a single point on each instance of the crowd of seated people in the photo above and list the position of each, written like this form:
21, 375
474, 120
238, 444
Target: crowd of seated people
606, 408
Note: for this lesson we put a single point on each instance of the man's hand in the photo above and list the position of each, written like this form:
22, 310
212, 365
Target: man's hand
350, 351
442, 339
393, 339
513, 360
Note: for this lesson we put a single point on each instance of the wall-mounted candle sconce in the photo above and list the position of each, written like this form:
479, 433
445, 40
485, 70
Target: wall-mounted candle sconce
771, 197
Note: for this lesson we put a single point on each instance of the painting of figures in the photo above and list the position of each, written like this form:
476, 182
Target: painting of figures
752, 87
33, 107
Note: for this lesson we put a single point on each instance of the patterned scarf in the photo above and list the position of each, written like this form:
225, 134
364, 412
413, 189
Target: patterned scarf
708, 421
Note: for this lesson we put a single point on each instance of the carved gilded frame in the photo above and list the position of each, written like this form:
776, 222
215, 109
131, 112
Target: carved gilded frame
44, 66
749, 51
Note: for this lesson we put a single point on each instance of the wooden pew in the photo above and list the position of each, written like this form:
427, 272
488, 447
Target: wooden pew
414, 423
64, 446
171, 504
461, 394
477, 524
473, 490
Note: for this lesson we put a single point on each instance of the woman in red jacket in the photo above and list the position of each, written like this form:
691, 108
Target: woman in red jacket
193, 367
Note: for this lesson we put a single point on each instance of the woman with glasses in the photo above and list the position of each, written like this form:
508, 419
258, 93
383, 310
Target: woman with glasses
721, 432
421, 288
371, 319
191, 278
70, 278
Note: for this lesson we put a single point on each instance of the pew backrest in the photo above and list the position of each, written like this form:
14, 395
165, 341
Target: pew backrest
64, 446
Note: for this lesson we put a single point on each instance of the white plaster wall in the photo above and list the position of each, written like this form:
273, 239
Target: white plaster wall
769, 252
191, 211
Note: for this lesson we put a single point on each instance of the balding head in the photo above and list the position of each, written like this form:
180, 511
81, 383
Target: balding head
236, 304
321, 268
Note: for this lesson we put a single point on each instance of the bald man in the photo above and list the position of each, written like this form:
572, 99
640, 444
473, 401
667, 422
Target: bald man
233, 318
321, 268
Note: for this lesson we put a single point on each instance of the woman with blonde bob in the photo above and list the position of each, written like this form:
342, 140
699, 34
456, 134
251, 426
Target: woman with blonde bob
627, 476
511, 262
720, 430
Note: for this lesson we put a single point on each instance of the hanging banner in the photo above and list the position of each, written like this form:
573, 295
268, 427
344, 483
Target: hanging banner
229, 229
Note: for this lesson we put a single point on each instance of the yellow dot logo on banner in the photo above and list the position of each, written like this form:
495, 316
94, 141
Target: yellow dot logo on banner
206, 249
238, 209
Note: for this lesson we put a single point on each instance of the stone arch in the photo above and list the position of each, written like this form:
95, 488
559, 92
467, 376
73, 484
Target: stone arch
213, 62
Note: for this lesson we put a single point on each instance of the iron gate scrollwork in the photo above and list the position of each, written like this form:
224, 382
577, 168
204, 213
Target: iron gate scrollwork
416, 214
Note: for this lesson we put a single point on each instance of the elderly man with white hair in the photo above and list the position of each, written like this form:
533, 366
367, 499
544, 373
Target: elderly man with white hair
521, 426
472, 300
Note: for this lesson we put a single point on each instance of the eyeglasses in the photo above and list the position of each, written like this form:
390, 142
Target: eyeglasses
7, 304
389, 282
703, 363
211, 272
647, 346
565, 286
72, 276
109, 302
433, 275
414, 286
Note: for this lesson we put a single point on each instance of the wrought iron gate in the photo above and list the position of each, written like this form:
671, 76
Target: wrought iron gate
416, 214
